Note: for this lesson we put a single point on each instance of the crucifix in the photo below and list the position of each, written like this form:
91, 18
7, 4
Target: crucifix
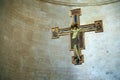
76, 32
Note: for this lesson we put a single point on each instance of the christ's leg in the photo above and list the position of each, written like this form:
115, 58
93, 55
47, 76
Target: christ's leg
76, 51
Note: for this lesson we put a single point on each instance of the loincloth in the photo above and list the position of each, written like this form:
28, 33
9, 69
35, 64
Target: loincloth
75, 41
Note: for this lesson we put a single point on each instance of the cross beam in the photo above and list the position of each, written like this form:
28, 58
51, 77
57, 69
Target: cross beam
97, 26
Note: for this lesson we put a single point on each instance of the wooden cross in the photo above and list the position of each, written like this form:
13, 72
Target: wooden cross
97, 26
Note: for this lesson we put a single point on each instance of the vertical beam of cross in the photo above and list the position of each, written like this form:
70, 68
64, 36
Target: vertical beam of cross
76, 20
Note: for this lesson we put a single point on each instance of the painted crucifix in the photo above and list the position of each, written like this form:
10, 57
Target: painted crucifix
76, 32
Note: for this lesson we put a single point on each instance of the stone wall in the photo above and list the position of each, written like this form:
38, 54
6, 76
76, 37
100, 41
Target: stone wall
27, 51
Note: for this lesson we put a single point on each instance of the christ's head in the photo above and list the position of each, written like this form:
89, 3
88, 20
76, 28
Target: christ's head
74, 26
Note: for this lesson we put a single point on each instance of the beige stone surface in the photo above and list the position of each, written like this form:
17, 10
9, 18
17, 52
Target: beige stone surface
27, 51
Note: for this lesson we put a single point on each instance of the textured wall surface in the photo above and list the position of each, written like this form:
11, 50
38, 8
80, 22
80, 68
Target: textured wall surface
27, 51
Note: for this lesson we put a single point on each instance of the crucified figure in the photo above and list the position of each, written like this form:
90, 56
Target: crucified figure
75, 40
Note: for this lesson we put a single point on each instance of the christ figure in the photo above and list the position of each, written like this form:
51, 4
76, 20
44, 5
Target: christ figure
75, 41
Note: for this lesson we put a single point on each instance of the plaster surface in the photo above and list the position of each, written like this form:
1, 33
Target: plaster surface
27, 51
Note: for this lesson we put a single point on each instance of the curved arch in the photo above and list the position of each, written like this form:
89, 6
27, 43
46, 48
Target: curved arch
78, 3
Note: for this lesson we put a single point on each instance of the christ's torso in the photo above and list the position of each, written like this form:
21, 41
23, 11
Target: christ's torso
75, 32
